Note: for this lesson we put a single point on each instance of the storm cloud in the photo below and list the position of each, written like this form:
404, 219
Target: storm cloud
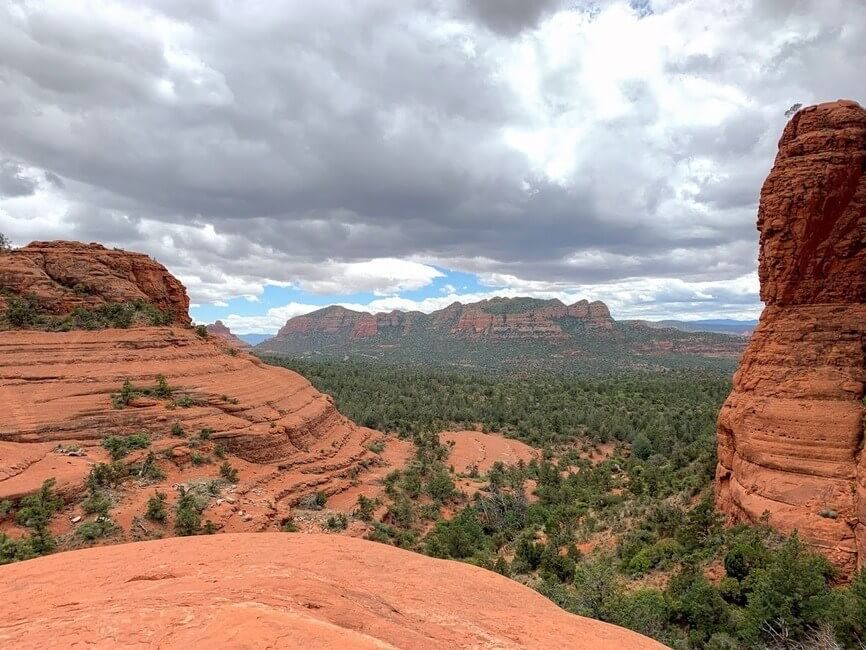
256, 143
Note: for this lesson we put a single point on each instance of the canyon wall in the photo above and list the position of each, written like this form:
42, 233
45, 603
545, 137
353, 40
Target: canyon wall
790, 435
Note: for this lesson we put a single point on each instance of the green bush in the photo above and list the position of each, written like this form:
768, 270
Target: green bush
791, 589
460, 538
229, 473
187, 516
337, 522
156, 507
850, 612
366, 508
96, 503
120, 446
93, 530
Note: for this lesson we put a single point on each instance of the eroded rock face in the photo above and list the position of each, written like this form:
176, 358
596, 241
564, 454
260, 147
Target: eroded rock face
286, 439
791, 432
274, 590
64, 275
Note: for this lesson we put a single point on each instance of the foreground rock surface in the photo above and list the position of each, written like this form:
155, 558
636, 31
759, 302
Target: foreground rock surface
273, 590
791, 433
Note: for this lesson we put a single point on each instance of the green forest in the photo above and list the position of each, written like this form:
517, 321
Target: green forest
629, 536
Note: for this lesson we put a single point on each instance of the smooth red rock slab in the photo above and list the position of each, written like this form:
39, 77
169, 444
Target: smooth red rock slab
482, 450
280, 590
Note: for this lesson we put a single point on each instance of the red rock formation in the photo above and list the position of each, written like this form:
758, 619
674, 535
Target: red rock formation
281, 590
219, 329
481, 320
791, 433
286, 439
65, 275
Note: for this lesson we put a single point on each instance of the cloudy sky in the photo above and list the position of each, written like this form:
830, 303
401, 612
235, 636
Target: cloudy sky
280, 156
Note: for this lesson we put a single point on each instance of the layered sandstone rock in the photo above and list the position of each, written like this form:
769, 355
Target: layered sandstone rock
279, 590
219, 329
63, 276
59, 399
791, 433
493, 319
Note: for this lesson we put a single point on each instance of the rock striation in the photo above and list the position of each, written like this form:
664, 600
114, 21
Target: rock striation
64, 275
791, 434
316, 591
59, 396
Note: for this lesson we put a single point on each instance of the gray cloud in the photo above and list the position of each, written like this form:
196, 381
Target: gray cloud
243, 143
14, 181
509, 17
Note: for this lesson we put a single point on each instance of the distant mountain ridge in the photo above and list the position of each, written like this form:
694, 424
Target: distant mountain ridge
718, 325
497, 333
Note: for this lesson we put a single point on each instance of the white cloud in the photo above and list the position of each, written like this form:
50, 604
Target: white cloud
644, 298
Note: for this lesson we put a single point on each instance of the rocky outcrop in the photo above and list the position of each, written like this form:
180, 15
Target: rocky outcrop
219, 329
791, 434
494, 319
62, 276
281, 590
62, 393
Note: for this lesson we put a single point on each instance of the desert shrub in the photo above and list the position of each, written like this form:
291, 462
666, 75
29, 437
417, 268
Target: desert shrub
156, 507
199, 459
105, 475
15, 550
366, 508
554, 565
96, 503
337, 522
120, 446
177, 430
790, 590
162, 389
93, 530
597, 588
187, 515
185, 401
644, 610
22, 311
36, 510
148, 468
205, 433
201, 331
377, 447
698, 604
849, 612
460, 538
6, 507
440, 486
528, 553
228, 472
400, 512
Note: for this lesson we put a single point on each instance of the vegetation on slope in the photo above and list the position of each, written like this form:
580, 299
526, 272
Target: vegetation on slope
25, 312
628, 536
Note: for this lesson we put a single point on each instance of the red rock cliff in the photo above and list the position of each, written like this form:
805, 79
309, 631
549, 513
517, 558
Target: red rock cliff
791, 432
64, 275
